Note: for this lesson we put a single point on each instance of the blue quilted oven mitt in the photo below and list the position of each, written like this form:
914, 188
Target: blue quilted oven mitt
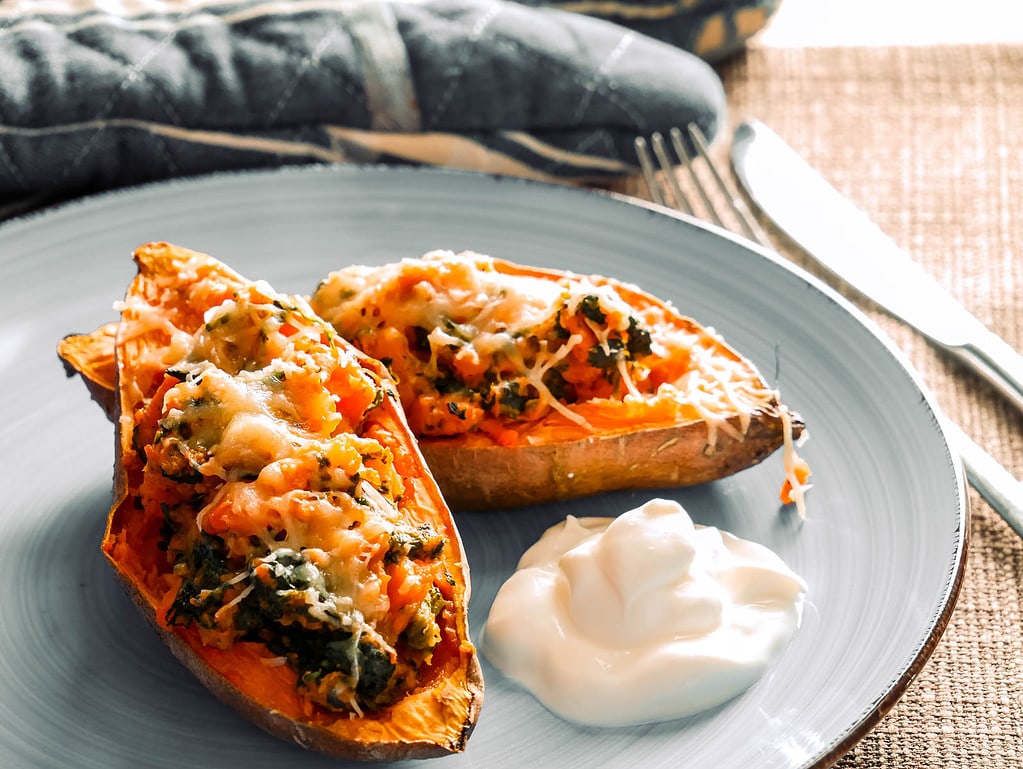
92, 100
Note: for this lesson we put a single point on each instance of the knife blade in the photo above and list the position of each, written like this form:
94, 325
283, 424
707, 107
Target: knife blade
843, 239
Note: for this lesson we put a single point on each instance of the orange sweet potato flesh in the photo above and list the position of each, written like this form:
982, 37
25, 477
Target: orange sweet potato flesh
437, 716
630, 445
627, 444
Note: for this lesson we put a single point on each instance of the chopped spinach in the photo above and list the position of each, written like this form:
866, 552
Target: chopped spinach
274, 379
555, 382
598, 357
639, 340
447, 384
589, 306
513, 402
201, 593
560, 332
419, 340
421, 542
285, 604
423, 632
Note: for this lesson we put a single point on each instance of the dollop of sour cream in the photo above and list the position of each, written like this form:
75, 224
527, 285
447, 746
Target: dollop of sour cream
641, 618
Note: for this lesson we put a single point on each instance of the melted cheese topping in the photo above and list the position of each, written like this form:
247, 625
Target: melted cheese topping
476, 349
277, 511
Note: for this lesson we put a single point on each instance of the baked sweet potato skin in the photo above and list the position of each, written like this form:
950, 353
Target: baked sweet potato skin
435, 718
556, 460
508, 461
91, 356
643, 458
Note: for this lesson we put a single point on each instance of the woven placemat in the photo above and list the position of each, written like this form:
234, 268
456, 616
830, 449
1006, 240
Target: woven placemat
928, 141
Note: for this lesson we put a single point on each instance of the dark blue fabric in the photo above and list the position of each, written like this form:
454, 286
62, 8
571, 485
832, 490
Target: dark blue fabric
90, 102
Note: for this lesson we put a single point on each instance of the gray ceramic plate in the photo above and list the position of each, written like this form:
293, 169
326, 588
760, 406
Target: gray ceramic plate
84, 682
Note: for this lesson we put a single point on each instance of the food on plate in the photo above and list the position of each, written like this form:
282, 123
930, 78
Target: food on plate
641, 618
528, 385
276, 523
92, 356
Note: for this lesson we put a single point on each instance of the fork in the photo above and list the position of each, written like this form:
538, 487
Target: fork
702, 190
718, 201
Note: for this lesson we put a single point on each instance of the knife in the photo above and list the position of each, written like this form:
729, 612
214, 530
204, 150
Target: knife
843, 239
846, 242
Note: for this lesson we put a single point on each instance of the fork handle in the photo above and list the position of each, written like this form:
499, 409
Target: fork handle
996, 361
996, 484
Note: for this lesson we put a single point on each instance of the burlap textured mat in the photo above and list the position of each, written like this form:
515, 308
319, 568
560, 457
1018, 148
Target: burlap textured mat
929, 141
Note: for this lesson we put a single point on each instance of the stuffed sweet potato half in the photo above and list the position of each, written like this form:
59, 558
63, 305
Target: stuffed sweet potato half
91, 356
527, 385
275, 521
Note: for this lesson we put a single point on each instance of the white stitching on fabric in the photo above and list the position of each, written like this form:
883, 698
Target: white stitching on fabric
133, 74
339, 77
600, 75
626, 106
593, 84
156, 90
330, 8
463, 61
602, 137
312, 59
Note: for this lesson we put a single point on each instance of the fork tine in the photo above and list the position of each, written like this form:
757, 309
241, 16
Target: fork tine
660, 193
647, 166
742, 213
668, 172
680, 150
669, 192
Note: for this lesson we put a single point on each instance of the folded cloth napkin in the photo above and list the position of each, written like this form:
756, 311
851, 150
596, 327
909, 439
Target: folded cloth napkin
97, 94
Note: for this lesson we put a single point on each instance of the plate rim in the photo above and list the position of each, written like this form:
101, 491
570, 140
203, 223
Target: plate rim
950, 590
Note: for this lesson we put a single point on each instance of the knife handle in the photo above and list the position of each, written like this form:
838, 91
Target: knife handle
996, 484
997, 362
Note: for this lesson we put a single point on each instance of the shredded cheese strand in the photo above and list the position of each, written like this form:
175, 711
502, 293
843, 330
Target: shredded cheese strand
233, 602
791, 460
535, 377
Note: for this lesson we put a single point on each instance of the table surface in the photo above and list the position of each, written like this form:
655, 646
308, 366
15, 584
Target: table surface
913, 110
845, 23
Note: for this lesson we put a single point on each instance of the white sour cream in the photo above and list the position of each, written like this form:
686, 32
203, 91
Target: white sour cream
641, 618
